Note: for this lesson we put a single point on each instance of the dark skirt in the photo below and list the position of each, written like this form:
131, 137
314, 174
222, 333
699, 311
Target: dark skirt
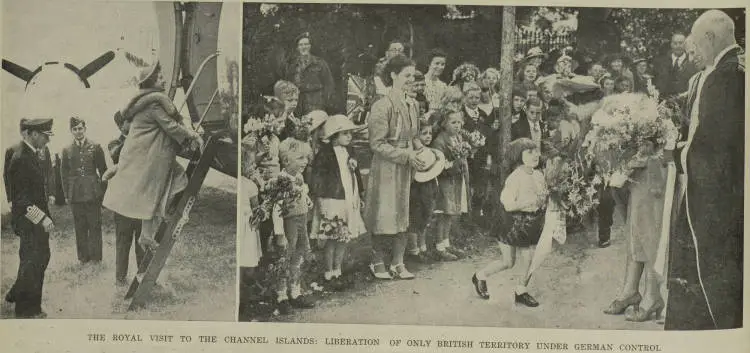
523, 229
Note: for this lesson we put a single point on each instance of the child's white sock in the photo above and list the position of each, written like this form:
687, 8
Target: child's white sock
328, 275
337, 273
441, 246
423, 248
520, 289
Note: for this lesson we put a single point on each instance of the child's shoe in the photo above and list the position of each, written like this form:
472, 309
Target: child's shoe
400, 272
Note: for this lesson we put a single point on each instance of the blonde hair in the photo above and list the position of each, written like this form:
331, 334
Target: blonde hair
283, 89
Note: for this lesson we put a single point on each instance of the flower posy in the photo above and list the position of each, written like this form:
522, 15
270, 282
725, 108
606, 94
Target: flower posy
459, 148
475, 138
334, 228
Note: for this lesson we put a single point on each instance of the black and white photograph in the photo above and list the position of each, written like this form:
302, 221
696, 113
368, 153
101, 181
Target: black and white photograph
120, 130
492, 166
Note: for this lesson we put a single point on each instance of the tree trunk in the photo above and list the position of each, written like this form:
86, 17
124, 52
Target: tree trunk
507, 51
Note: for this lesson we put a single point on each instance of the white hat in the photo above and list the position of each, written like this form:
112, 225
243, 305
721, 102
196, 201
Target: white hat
338, 123
317, 118
435, 161
148, 72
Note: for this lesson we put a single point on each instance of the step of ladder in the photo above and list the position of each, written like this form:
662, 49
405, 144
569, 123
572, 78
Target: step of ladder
170, 228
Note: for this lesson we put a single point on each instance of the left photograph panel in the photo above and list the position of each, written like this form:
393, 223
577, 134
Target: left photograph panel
119, 128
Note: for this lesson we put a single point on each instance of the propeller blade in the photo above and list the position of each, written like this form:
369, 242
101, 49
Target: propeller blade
96, 65
17, 70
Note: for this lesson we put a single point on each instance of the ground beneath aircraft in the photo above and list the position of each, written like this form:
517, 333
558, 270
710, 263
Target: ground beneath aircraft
198, 281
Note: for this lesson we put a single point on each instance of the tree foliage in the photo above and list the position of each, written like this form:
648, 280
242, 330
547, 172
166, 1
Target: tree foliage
351, 37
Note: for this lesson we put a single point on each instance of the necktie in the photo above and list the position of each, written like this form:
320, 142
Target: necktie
676, 65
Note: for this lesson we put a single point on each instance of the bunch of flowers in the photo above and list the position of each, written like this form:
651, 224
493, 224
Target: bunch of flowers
475, 138
571, 187
280, 189
630, 127
259, 129
334, 228
459, 148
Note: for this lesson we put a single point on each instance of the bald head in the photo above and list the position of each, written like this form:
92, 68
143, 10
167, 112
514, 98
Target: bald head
712, 32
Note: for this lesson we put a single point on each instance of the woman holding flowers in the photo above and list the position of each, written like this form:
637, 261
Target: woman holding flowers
524, 198
336, 186
453, 183
393, 125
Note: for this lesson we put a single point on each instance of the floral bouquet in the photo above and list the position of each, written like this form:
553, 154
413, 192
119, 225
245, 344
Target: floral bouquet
460, 149
570, 187
475, 138
259, 129
281, 188
628, 130
334, 228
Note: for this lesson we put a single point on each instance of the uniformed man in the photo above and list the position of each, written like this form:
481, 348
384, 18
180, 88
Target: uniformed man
31, 217
82, 164
127, 230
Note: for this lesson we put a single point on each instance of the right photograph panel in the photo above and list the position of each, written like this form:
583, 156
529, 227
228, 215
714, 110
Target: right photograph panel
533, 167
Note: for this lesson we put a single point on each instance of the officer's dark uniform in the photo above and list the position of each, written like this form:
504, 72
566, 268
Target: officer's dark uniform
26, 180
81, 166
127, 230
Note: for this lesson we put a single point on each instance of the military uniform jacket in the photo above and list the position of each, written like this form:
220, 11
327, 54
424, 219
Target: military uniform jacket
25, 177
81, 168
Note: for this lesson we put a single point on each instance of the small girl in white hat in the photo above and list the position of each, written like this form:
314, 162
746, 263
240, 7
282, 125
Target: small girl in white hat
336, 186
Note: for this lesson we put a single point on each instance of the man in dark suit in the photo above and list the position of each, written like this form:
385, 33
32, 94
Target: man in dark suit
31, 217
706, 263
82, 164
673, 70
529, 123
127, 230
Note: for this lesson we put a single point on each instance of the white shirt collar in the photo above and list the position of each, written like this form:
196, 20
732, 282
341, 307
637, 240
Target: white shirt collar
722, 54
679, 58
30, 146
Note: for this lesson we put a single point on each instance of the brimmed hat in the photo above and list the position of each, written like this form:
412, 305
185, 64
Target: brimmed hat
41, 125
338, 123
148, 72
534, 52
564, 57
317, 118
640, 59
435, 161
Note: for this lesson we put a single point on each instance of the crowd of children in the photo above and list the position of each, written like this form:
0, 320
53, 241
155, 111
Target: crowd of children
458, 142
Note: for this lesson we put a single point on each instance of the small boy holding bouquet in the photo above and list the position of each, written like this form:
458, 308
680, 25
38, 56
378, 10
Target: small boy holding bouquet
336, 186
290, 226
453, 192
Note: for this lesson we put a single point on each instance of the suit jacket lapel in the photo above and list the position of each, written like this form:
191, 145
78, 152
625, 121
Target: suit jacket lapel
33, 157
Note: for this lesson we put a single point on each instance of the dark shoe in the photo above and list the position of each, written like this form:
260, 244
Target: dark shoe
285, 307
302, 302
424, 258
526, 299
604, 243
480, 287
445, 256
618, 307
640, 315
10, 297
456, 252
